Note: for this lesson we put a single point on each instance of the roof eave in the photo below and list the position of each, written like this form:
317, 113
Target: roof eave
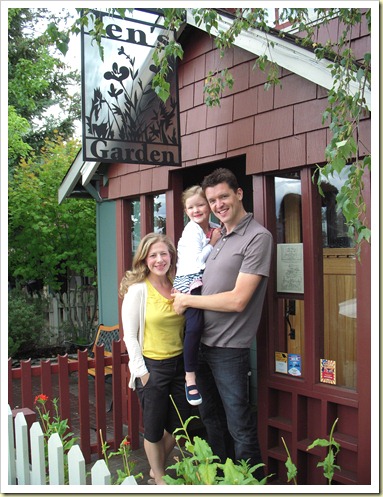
81, 173
284, 53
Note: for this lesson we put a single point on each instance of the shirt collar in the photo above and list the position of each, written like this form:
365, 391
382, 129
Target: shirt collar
240, 229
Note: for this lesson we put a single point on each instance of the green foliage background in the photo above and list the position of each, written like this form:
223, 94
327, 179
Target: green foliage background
38, 79
26, 323
48, 241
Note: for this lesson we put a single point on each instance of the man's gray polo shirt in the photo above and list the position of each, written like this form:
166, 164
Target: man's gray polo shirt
247, 249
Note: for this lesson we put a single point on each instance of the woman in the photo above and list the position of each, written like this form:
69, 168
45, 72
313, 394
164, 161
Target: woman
153, 333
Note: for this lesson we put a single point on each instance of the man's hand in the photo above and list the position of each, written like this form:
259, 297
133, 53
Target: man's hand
179, 304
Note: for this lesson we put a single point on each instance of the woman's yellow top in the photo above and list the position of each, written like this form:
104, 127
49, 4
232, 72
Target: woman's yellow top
164, 328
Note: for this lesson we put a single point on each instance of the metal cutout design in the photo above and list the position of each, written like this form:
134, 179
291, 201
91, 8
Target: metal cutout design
123, 118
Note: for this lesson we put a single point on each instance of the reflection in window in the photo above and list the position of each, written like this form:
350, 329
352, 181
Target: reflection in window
136, 225
159, 221
288, 209
339, 286
334, 229
289, 231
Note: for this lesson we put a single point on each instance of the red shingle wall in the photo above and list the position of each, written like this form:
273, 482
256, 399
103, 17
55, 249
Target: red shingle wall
280, 128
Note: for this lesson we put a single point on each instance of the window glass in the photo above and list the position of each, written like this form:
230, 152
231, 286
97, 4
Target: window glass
136, 225
287, 208
290, 342
334, 228
339, 287
159, 210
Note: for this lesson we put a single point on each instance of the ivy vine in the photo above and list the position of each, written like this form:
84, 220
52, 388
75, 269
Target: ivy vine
345, 108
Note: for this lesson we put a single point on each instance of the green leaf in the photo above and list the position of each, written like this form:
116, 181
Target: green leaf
208, 473
63, 47
203, 450
338, 163
341, 143
360, 74
232, 473
364, 234
291, 469
319, 442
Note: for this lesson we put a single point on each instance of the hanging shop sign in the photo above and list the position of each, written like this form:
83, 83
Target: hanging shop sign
123, 118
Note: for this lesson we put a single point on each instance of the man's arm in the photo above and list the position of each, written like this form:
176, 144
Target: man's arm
232, 301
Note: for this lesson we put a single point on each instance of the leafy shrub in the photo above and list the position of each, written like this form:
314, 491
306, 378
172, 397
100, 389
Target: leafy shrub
26, 323
199, 466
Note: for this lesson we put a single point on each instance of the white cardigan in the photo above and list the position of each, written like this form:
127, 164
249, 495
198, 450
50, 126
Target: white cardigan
133, 322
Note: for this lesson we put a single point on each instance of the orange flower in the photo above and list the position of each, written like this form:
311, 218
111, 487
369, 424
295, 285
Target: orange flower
126, 442
41, 398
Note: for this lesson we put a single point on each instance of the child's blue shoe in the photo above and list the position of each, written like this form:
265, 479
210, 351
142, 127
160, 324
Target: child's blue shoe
194, 399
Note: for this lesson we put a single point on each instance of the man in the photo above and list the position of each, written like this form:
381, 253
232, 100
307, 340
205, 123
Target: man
234, 287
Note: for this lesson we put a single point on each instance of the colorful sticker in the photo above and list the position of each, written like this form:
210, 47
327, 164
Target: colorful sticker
328, 371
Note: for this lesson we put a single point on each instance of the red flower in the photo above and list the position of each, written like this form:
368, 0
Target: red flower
126, 442
41, 398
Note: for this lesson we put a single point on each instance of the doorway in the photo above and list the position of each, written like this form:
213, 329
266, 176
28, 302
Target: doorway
194, 175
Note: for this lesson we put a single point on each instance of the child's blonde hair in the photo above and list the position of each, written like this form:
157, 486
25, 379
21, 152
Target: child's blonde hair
190, 192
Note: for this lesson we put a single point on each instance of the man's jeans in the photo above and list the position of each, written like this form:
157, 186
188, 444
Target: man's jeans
222, 379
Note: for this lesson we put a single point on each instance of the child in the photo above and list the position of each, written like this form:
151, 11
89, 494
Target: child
197, 240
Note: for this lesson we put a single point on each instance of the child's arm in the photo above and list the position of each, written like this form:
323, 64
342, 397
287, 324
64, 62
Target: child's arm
206, 250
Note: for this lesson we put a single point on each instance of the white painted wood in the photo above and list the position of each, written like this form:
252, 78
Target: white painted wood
100, 474
71, 178
87, 171
11, 450
35, 474
129, 480
76, 466
22, 450
36, 434
55, 460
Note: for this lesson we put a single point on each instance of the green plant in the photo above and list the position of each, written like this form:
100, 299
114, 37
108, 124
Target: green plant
25, 322
199, 466
124, 452
290, 466
54, 424
328, 462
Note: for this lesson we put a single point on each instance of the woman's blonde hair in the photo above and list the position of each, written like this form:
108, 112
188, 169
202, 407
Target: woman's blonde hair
190, 192
140, 270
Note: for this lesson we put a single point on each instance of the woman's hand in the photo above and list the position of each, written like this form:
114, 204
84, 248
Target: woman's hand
145, 379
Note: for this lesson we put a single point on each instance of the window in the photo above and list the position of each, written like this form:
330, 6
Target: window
159, 213
288, 202
136, 225
339, 287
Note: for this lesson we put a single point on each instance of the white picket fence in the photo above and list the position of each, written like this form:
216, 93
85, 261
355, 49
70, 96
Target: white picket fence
23, 470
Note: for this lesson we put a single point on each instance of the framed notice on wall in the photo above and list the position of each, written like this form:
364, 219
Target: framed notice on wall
290, 268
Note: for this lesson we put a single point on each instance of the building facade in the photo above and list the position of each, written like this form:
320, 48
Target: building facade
312, 356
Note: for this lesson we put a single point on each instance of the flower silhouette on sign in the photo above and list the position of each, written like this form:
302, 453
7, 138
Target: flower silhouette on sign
117, 74
130, 110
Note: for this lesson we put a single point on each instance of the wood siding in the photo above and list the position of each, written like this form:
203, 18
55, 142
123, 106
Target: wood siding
277, 129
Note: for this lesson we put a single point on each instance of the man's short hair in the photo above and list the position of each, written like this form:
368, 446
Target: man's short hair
220, 175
